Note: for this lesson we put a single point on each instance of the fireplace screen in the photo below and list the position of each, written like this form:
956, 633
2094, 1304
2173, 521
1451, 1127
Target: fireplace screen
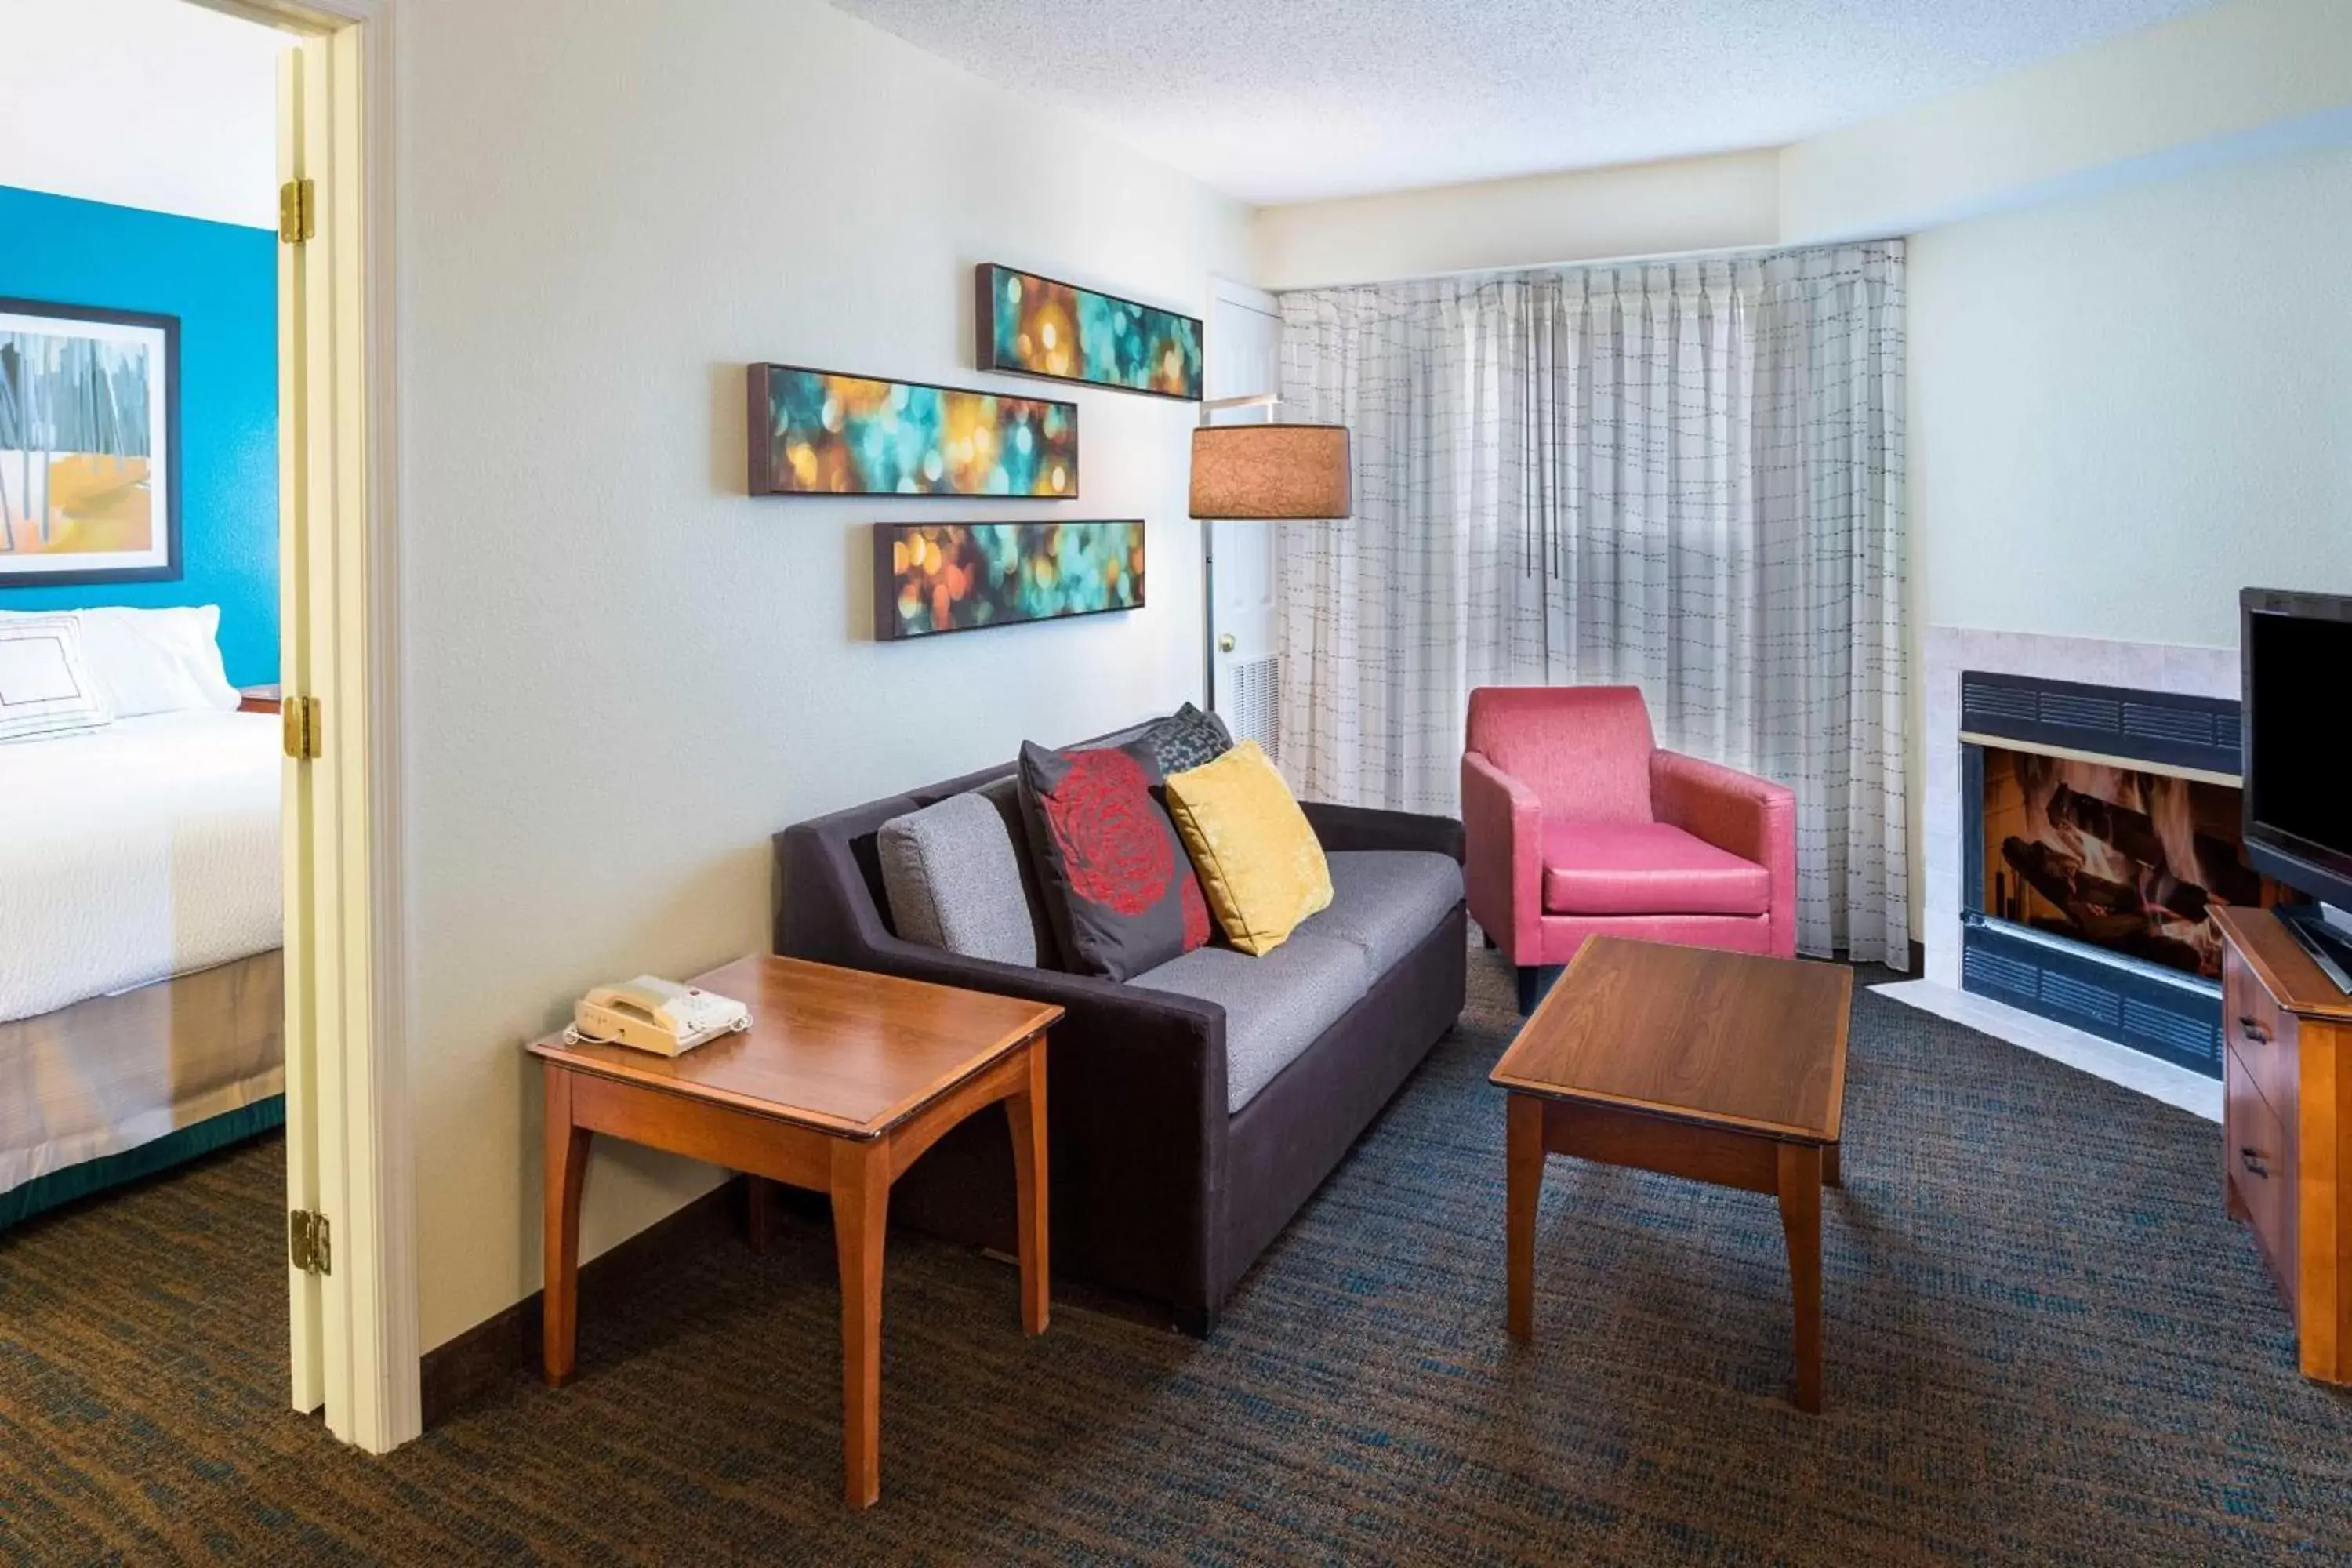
2130, 861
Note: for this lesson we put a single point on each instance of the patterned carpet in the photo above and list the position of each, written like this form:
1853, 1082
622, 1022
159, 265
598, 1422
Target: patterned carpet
2045, 1345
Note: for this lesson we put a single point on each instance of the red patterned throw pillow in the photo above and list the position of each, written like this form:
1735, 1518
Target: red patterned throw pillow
1118, 887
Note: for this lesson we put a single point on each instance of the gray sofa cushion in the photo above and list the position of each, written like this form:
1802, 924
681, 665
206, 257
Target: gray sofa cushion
1005, 795
1275, 1006
1386, 900
955, 877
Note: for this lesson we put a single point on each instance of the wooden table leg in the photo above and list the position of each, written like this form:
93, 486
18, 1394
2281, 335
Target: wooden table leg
1026, 1113
1800, 1222
566, 1168
861, 1215
1523, 1178
758, 1211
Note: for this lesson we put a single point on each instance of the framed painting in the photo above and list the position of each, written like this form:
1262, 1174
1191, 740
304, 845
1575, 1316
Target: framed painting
1030, 325
90, 445
930, 578
819, 433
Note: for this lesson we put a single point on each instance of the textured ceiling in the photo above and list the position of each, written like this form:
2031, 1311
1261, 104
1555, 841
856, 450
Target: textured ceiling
1278, 100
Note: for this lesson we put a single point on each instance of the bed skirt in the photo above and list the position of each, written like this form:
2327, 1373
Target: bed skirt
117, 1087
43, 1193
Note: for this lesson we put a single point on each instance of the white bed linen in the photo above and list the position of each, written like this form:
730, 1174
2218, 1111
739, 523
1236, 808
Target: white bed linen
136, 852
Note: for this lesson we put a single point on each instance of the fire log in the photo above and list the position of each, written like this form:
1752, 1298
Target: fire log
2133, 833
2187, 900
2043, 868
2060, 878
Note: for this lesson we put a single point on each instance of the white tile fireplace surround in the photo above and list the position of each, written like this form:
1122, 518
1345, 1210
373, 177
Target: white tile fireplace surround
2147, 667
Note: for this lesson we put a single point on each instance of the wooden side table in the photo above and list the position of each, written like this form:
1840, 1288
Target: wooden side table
843, 1081
259, 698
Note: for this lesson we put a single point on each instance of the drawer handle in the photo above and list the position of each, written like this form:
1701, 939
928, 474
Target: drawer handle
2254, 1163
2252, 1030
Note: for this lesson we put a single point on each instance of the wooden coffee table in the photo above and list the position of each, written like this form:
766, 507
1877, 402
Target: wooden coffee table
1715, 1065
843, 1078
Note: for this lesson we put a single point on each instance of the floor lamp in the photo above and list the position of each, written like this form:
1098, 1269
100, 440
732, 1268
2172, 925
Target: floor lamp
1259, 473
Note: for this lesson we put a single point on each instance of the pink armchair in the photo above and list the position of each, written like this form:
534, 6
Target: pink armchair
1577, 824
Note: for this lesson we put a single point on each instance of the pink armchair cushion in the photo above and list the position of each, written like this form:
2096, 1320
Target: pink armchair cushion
1645, 868
1584, 751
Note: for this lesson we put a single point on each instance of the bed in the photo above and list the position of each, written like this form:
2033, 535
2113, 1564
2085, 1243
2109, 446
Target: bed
140, 991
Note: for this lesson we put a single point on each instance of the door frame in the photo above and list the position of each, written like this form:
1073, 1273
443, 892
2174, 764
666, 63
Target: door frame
354, 1331
1231, 541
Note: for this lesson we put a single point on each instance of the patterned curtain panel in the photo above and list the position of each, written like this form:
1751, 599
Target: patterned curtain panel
1685, 476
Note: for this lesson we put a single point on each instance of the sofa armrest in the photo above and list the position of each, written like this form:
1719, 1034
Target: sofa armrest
1343, 828
1170, 1047
1752, 817
1502, 826
1135, 1080
1136, 1090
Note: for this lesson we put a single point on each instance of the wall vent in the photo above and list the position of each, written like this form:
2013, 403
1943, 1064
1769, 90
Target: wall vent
2157, 727
2176, 1020
1250, 710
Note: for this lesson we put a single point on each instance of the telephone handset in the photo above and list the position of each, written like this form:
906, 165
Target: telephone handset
655, 1014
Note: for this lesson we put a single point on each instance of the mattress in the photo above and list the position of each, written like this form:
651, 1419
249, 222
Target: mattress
134, 853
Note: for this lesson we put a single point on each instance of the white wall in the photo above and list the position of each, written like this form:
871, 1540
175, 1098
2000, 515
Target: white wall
621, 674
2124, 410
187, 124
1589, 214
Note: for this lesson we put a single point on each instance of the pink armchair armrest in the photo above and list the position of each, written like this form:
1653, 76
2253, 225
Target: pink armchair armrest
1753, 818
1502, 833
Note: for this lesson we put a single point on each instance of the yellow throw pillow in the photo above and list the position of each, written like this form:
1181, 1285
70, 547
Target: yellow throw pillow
1260, 862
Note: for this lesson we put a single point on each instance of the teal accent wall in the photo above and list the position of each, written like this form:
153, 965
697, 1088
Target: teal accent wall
221, 280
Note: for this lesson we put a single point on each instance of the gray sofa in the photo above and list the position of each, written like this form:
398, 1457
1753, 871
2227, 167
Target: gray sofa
1192, 1109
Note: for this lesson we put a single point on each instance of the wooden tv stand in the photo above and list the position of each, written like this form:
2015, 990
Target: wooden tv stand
2286, 1152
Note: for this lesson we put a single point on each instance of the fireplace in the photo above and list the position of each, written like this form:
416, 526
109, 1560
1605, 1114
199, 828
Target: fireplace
2127, 859
2100, 829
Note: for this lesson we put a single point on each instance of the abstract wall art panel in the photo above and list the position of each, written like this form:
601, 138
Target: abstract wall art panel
959, 576
1035, 326
816, 433
88, 445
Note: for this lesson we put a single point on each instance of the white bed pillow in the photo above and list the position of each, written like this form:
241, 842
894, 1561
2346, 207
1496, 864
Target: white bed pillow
46, 685
154, 662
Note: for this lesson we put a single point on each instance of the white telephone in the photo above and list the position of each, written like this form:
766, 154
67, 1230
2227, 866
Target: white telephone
655, 1014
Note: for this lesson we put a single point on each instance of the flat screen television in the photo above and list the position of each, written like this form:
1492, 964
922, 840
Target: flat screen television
2297, 651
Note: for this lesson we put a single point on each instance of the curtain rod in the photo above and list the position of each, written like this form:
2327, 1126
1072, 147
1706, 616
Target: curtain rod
1706, 253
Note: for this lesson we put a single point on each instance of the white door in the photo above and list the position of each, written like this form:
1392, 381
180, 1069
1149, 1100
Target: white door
1245, 358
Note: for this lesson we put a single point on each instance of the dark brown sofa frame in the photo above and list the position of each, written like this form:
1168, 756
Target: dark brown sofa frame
1156, 1191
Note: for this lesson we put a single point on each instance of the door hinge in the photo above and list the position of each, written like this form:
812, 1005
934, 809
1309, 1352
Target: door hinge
304, 722
307, 1242
297, 211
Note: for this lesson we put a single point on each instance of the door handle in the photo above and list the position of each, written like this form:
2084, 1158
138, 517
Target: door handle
2252, 1028
2254, 1163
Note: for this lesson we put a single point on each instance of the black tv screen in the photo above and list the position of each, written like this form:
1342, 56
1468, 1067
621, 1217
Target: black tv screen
2298, 691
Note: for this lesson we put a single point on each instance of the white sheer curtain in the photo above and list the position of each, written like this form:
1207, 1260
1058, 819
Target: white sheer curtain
1687, 476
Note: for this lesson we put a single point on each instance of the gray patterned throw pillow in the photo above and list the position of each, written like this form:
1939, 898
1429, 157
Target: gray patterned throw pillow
1188, 738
